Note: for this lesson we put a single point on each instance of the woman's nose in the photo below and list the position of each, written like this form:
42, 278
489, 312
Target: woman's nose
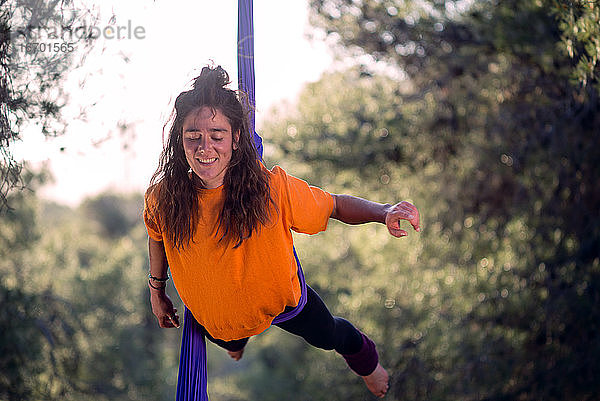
202, 143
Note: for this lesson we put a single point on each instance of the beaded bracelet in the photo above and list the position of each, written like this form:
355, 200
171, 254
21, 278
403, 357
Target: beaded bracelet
162, 280
156, 288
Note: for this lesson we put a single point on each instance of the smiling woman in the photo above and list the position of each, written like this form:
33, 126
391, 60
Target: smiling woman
208, 143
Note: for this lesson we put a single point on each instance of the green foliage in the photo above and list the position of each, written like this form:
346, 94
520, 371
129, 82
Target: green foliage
78, 322
115, 215
579, 22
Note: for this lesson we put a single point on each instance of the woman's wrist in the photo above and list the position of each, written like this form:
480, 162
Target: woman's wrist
156, 283
385, 209
162, 279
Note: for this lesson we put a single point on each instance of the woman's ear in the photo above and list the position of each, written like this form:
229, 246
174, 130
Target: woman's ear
236, 139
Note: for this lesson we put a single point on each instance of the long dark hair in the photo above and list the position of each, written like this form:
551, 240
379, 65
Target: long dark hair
246, 184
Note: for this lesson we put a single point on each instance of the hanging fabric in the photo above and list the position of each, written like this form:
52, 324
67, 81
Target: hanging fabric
245, 63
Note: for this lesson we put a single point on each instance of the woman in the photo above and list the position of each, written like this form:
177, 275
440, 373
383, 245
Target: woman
222, 223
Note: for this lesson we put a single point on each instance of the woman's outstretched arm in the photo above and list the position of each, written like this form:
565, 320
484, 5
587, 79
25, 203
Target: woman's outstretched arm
353, 210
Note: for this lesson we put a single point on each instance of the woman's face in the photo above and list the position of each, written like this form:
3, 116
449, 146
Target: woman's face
208, 144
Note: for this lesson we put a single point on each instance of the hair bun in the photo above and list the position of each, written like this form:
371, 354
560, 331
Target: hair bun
211, 78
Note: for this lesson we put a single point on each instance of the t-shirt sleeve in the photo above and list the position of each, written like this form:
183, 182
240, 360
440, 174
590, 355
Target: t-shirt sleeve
308, 208
151, 219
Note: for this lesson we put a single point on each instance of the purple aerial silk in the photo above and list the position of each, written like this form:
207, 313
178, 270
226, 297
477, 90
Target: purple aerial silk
192, 378
191, 381
245, 62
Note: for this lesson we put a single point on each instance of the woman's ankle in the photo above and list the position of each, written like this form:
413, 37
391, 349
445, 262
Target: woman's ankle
365, 361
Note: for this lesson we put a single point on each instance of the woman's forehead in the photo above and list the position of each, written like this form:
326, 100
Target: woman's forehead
206, 115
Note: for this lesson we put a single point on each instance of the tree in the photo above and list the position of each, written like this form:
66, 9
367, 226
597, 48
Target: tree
116, 215
579, 22
515, 141
40, 40
77, 322
37, 327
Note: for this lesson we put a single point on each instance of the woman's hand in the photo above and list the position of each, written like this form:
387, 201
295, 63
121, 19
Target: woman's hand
163, 309
401, 211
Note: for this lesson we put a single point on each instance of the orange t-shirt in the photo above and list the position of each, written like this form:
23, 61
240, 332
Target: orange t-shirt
236, 293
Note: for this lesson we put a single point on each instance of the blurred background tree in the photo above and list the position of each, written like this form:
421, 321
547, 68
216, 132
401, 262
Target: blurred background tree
579, 23
75, 322
31, 80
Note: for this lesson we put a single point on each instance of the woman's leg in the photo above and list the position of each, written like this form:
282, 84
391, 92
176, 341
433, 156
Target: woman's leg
232, 347
322, 330
319, 328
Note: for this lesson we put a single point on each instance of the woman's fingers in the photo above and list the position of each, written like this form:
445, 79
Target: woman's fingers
169, 320
163, 309
410, 213
397, 233
402, 211
174, 319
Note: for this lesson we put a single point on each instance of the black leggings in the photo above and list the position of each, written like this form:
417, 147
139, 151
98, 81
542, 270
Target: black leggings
316, 325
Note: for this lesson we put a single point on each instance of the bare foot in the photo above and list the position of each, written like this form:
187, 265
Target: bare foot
377, 382
236, 355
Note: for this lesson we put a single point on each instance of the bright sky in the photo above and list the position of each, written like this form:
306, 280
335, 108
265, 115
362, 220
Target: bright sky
180, 38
